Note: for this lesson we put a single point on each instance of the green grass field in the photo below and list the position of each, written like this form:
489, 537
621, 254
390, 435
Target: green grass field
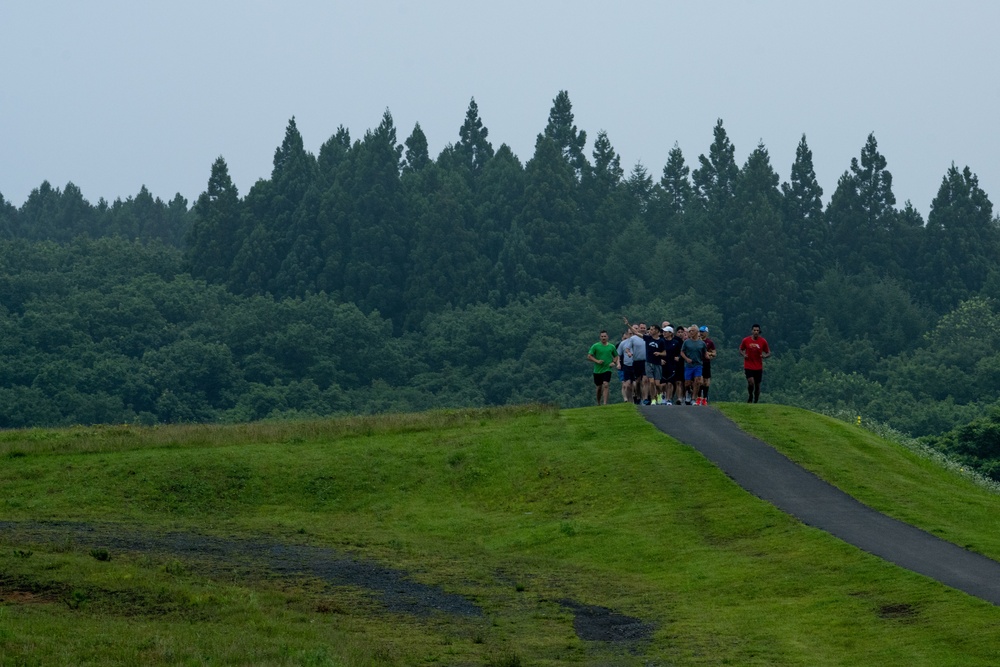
530, 513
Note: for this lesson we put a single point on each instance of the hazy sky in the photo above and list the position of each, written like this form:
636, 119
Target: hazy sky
113, 95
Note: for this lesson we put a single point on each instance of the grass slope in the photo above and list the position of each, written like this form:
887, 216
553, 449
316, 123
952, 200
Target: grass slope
518, 509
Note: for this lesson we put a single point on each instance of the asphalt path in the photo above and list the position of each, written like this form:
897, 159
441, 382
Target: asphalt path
769, 475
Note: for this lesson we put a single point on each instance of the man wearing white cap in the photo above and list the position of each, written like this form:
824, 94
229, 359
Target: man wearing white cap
672, 369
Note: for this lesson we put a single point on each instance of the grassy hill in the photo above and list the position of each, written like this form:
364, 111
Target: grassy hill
518, 536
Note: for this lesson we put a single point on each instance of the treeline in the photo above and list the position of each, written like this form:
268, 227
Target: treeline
51, 214
115, 331
375, 276
384, 226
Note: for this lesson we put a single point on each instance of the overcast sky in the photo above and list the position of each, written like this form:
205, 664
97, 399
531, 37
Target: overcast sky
113, 95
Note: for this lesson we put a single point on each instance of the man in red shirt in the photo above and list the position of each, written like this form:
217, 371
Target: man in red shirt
754, 350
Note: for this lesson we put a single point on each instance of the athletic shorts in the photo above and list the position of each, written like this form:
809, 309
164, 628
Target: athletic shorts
692, 372
757, 375
628, 374
655, 371
707, 369
621, 375
638, 369
669, 374
602, 378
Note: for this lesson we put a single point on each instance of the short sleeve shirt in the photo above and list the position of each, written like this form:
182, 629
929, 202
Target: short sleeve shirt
605, 353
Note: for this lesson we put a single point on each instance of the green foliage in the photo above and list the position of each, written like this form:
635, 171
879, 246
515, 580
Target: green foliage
348, 281
976, 444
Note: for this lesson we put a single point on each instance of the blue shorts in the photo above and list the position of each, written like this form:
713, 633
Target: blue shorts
692, 372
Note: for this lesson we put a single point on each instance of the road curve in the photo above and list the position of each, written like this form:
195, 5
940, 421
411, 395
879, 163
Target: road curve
769, 475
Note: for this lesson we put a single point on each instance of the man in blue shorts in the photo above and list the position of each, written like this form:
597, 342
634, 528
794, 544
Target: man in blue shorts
625, 364
693, 353
637, 346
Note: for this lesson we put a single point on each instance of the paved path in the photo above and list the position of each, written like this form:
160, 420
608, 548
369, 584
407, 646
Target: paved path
768, 474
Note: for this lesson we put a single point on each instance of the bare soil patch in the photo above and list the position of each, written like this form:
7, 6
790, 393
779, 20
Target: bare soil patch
241, 558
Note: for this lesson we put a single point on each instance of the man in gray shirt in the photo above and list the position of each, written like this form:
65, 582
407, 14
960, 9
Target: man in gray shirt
693, 354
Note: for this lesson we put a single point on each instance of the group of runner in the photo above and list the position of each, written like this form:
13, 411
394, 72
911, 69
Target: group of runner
664, 365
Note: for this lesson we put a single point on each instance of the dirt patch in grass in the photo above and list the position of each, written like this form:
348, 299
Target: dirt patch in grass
235, 559
240, 559
900, 611
600, 624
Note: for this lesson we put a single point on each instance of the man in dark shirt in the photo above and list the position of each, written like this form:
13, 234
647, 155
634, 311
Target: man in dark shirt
672, 364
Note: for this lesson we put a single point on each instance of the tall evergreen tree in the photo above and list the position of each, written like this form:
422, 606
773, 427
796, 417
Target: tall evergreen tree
962, 240
758, 285
862, 217
417, 156
715, 188
499, 199
333, 156
564, 134
803, 218
378, 231
549, 219
39, 214
284, 225
444, 266
8, 219
676, 191
334, 210
607, 174
906, 242
607, 208
715, 178
640, 185
473, 149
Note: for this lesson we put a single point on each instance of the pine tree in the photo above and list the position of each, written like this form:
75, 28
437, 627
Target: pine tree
417, 156
758, 285
804, 223
473, 149
8, 219
862, 217
549, 219
963, 241
715, 178
444, 267
377, 229
499, 199
676, 192
564, 134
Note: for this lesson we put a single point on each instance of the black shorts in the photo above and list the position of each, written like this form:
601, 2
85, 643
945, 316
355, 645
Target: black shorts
757, 375
638, 370
602, 378
706, 369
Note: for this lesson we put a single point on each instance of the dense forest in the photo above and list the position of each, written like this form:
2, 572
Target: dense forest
374, 277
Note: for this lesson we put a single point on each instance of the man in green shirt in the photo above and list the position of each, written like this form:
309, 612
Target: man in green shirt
603, 355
